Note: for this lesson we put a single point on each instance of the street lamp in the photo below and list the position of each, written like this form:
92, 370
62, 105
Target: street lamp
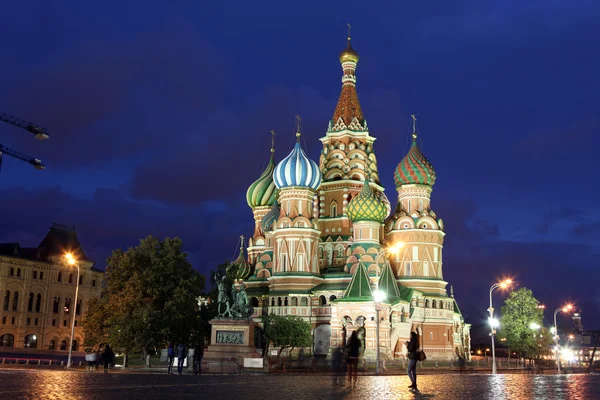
394, 249
503, 285
73, 262
566, 308
378, 296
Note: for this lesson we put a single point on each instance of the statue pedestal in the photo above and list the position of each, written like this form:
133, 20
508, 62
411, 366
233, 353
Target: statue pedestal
231, 340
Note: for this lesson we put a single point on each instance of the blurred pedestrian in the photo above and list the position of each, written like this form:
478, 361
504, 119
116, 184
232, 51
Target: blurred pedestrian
198, 354
337, 357
413, 348
170, 358
181, 355
108, 357
353, 353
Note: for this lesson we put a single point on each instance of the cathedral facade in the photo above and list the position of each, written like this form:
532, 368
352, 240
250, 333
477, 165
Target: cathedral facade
326, 238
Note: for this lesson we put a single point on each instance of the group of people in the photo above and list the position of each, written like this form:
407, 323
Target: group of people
352, 351
100, 354
181, 352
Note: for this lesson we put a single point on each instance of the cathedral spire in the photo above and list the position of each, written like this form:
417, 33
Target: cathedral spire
348, 107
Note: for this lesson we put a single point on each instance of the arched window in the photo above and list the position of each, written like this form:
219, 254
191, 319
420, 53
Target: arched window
78, 307
67, 305
272, 301
254, 302
332, 298
71, 278
63, 345
433, 304
427, 303
285, 302
38, 302
31, 341
15, 301
75, 345
322, 300
294, 301
18, 271
56, 305
7, 340
60, 276
333, 209
30, 302
279, 301
304, 302
52, 345
81, 279
6, 300
441, 304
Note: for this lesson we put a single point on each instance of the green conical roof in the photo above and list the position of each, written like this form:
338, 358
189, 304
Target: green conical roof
360, 286
387, 283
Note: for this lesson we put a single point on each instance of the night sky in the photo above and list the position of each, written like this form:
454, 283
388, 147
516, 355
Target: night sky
159, 117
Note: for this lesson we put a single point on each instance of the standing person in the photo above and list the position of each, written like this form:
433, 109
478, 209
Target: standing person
353, 353
108, 357
181, 354
171, 357
198, 354
336, 364
413, 348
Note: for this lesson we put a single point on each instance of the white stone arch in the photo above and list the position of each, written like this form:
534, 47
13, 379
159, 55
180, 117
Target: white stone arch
322, 337
405, 222
426, 223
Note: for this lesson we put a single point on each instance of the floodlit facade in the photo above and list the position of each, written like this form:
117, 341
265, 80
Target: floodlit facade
326, 237
37, 292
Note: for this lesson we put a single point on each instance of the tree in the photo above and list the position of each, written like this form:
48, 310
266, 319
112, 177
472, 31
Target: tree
287, 331
150, 298
519, 311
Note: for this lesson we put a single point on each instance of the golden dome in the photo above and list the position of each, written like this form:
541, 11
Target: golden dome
349, 54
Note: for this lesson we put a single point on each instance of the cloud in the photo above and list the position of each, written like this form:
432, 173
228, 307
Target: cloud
556, 140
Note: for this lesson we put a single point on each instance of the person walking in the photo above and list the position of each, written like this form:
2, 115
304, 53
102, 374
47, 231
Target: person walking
181, 355
413, 348
108, 356
198, 354
337, 356
353, 353
170, 358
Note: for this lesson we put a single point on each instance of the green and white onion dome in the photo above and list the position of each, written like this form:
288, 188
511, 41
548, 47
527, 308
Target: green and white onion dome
262, 192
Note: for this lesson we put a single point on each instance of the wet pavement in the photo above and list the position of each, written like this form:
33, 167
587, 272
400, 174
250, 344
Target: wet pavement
60, 384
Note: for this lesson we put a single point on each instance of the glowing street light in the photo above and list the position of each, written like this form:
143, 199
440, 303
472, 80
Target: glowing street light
503, 285
534, 326
564, 309
73, 262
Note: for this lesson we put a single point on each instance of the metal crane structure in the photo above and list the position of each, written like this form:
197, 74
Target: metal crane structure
39, 132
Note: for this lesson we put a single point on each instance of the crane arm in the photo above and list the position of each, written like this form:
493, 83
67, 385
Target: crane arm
38, 164
39, 132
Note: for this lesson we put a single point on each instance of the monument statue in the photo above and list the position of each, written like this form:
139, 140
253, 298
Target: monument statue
241, 305
223, 298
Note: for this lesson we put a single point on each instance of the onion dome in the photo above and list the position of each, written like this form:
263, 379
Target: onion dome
270, 218
414, 168
349, 54
366, 206
297, 170
262, 192
240, 268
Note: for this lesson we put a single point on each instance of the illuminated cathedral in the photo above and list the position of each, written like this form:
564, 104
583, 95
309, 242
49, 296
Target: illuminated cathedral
326, 239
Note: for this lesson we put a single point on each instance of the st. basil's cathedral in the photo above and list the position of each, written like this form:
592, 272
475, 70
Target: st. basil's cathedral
325, 239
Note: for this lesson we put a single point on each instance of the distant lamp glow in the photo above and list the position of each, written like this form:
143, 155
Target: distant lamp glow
506, 283
534, 326
379, 296
571, 337
494, 323
567, 308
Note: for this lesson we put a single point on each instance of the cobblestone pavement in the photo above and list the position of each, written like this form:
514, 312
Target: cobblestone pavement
67, 385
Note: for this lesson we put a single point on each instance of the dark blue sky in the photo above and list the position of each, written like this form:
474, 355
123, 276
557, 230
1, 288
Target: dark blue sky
160, 115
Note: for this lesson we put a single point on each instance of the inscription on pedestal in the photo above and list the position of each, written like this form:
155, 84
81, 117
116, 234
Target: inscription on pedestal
230, 337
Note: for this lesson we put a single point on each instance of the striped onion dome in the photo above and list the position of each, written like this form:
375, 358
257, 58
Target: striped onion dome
270, 218
297, 170
262, 192
366, 206
414, 169
240, 268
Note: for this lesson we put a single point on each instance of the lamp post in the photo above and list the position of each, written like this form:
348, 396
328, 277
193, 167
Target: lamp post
378, 296
494, 323
566, 308
73, 262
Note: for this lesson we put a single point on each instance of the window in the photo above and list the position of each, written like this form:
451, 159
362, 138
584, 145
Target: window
34, 274
94, 281
78, 307
28, 321
56, 305
6, 300
333, 210
64, 322
12, 321
81, 279
71, 278
18, 271
4, 320
407, 269
41, 275
420, 205
425, 268
52, 345
75, 322
53, 322
12, 271
433, 304
16, 301
430, 335
30, 302
67, 306
59, 276
300, 262
38, 302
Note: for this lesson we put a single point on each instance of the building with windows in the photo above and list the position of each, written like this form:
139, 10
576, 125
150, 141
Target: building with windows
37, 292
326, 237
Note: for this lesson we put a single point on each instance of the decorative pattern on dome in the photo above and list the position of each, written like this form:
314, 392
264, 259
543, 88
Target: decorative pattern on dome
349, 160
366, 206
270, 217
262, 192
239, 269
414, 169
297, 170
